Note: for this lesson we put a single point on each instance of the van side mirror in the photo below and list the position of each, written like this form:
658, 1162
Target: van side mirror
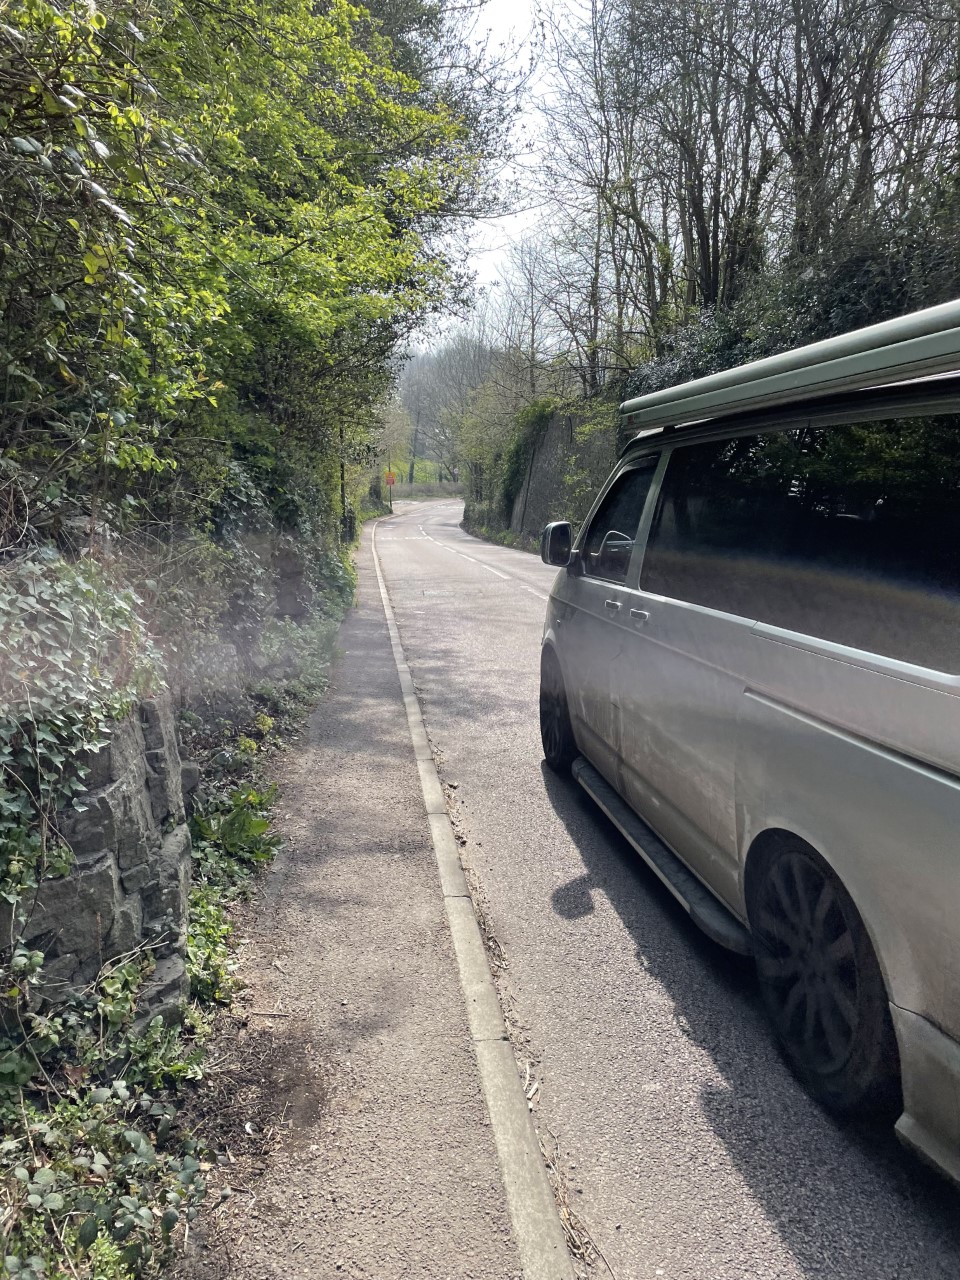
556, 543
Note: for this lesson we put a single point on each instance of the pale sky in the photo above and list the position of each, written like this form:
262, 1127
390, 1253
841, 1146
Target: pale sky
510, 23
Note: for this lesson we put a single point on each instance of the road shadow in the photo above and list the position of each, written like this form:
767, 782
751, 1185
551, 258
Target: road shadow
814, 1177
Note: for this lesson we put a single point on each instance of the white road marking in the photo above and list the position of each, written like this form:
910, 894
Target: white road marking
509, 577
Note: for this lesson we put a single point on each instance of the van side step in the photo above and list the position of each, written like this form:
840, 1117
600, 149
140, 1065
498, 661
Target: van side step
705, 910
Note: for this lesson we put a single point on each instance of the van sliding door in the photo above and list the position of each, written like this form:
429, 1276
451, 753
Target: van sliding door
681, 674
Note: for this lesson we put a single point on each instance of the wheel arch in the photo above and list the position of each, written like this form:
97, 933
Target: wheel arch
550, 652
762, 846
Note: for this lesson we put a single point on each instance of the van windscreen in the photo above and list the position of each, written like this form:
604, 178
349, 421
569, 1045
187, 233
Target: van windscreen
848, 533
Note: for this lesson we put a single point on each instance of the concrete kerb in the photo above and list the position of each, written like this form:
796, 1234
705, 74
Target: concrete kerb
533, 1211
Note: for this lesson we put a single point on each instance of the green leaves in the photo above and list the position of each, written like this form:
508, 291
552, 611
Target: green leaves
31, 1268
89, 1230
96, 1179
196, 214
240, 828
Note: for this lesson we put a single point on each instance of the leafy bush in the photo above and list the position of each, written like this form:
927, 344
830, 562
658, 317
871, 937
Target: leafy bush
238, 829
298, 655
96, 1174
96, 1185
209, 966
867, 273
231, 838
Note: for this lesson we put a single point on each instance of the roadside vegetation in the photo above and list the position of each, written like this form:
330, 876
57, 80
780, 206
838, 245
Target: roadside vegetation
716, 183
220, 226
101, 1175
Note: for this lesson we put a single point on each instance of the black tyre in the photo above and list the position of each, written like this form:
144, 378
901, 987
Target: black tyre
820, 981
556, 732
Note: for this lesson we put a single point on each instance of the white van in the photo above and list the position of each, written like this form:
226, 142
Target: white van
751, 661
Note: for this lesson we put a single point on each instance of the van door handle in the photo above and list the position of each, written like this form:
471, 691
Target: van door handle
640, 616
612, 605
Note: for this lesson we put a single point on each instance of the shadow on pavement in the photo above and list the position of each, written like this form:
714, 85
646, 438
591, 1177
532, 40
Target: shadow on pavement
812, 1175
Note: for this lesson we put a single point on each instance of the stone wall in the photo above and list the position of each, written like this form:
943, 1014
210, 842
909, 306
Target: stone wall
568, 466
130, 880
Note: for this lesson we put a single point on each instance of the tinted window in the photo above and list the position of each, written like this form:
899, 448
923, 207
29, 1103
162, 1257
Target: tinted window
848, 533
613, 530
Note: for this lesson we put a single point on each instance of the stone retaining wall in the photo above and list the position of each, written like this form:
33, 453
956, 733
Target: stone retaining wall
568, 466
130, 880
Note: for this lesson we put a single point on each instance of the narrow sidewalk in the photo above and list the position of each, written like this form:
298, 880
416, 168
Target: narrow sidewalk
376, 1158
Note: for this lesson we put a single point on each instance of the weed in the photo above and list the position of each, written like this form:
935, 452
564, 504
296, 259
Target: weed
231, 838
96, 1175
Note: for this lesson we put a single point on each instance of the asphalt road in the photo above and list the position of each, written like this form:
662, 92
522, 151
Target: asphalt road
688, 1148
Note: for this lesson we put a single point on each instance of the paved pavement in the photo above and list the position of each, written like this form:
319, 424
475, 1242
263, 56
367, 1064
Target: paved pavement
367, 1150
689, 1150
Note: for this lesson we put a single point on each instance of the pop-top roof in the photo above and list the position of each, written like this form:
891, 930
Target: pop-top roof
917, 345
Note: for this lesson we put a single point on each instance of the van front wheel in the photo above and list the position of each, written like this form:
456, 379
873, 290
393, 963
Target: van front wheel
556, 731
820, 981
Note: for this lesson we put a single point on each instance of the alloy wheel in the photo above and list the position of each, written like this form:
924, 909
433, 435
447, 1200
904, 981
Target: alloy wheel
807, 960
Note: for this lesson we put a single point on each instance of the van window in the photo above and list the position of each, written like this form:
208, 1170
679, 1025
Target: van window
608, 545
849, 533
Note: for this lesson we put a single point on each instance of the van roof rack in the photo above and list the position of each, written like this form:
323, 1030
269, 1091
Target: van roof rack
916, 345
